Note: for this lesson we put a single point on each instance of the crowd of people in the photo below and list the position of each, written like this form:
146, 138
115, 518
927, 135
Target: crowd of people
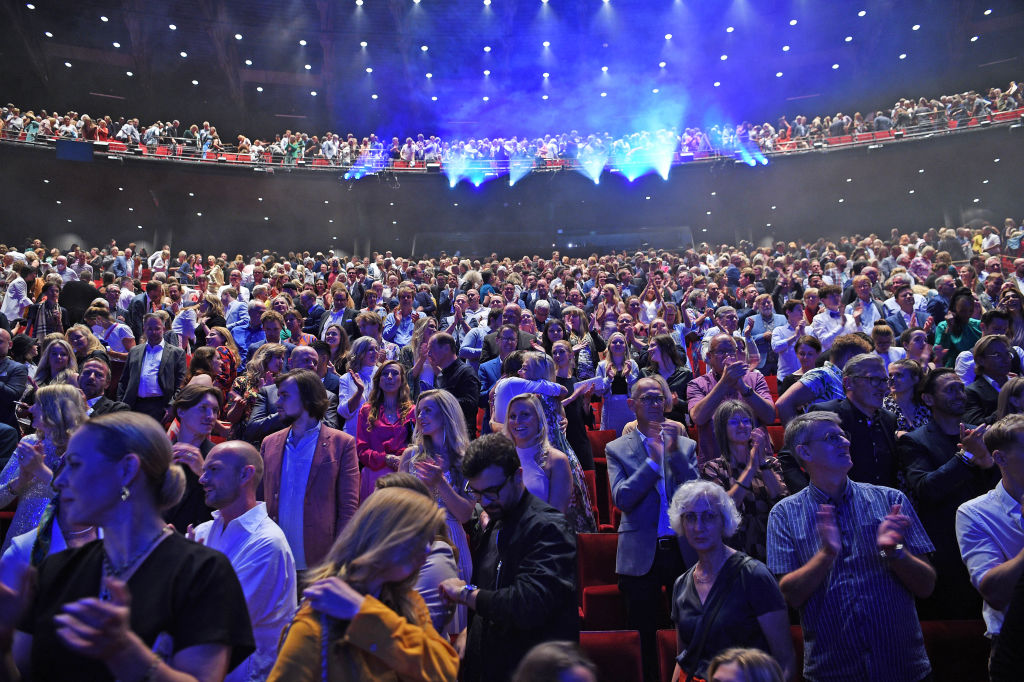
302, 465
373, 152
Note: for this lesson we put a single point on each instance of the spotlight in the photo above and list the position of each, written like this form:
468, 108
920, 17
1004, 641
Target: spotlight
302, 42
724, 57
730, 29
434, 98
543, 96
604, 94
48, 34
373, 96
835, 66
974, 39
903, 56
848, 39
362, 44
778, 74
67, 64
718, 83
861, 13
487, 3
668, 36
248, 62
546, 43
486, 98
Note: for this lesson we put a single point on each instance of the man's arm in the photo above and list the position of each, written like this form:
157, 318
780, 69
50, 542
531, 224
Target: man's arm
789, 402
630, 487
13, 385
983, 558
347, 491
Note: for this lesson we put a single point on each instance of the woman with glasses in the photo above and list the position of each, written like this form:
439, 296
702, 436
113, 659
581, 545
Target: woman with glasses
361, 618
992, 358
748, 470
727, 598
904, 400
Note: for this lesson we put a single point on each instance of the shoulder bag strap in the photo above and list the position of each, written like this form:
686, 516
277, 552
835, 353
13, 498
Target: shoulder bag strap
692, 653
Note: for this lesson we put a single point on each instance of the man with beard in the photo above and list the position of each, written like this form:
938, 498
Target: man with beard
94, 379
524, 557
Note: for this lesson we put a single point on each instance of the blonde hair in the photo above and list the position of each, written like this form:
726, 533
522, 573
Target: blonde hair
538, 409
387, 525
456, 436
63, 410
94, 343
65, 376
537, 365
123, 433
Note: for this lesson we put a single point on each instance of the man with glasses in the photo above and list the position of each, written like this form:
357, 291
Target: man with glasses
524, 565
728, 378
848, 557
946, 463
870, 428
645, 467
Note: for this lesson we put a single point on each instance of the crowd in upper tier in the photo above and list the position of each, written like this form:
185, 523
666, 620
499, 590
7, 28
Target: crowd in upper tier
907, 114
310, 465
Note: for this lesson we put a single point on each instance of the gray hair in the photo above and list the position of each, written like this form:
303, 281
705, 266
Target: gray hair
717, 497
642, 383
860, 362
801, 429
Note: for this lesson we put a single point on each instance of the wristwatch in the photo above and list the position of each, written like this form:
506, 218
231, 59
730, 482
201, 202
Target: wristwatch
746, 391
468, 589
891, 553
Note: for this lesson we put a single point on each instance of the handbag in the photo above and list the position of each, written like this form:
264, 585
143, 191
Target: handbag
689, 659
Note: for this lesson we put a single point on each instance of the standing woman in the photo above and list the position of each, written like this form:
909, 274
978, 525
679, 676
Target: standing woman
361, 619
143, 602
85, 345
587, 344
220, 336
46, 316
663, 358
196, 409
748, 471
336, 337
435, 457
384, 426
618, 373
577, 406
362, 362
57, 411
728, 597
415, 357
608, 309
962, 331
903, 400
57, 364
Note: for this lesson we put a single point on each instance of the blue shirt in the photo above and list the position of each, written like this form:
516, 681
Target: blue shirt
296, 462
400, 333
826, 382
861, 622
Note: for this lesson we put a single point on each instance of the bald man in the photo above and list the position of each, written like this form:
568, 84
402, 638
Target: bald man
255, 545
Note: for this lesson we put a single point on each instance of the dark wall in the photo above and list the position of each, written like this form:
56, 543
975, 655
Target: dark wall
829, 193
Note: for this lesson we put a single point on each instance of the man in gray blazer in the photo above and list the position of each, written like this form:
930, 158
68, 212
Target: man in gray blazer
645, 467
154, 372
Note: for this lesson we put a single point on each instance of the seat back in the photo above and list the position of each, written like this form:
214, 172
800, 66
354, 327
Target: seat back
616, 653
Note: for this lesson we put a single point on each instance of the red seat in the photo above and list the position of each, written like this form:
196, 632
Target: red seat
616, 654
590, 478
1008, 115
864, 137
230, 158
958, 649
666, 654
320, 162
161, 150
401, 164
147, 274
117, 146
603, 605
773, 386
244, 158
778, 436
599, 439
480, 413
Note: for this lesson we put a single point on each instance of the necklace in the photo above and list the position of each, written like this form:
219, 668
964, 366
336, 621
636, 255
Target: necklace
109, 569
708, 576
78, 533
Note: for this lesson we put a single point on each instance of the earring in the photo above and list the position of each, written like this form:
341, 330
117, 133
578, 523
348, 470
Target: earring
125, 493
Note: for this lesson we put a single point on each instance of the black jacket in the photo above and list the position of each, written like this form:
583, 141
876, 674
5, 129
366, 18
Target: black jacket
525, 566
982, 400
463, 382
105, 406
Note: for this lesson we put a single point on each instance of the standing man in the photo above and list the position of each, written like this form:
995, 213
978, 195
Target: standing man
17, 298
154, 372
848, 557
311, 483
255, 546
524, 561
645, 467
455, 376
147, 302
399, 324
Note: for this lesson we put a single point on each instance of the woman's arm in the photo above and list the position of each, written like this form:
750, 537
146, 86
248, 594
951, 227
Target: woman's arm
560, 486
775, 626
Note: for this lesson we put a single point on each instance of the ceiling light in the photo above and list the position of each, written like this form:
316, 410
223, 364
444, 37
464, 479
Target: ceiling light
199, 214
835, 66
785, 48
104, 19
430, 75
543, 96
862, 13
359, 3
30, 5
259, 88
48, 34
369, 69
248, 62
67, 64
903, 56
172, 27
238, 36
545, 74
486, 98
915, 27
307, 67
655, 91
974, 39
434, 98
724, 57
423, 48
129, 73
605, 69
717, 83
778, 74
362, 44
668, 36
986, 12
312, 93
729, 29
487, 48
546, 43
183, 54
792, 22
487, 72
117, 44
373, 96
487, 3
195, 82
604, 94
302, 42
661, 64
848, 39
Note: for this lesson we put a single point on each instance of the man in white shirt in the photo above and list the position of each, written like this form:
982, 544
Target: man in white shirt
988, 528
863, 312
153, 373
830, 323
235, 280
16, 299
255, 546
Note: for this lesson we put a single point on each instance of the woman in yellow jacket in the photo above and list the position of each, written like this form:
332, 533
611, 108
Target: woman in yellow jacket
361, 619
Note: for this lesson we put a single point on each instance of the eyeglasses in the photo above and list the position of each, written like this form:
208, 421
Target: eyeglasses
740, 421
875, 382
652, 400
706, 518
490, 493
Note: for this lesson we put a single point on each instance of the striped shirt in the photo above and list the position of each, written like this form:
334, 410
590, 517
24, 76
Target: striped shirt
861, 623
826, 383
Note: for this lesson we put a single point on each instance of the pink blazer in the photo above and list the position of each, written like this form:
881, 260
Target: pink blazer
332, 490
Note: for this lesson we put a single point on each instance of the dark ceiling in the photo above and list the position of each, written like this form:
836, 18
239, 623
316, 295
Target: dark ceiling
627, 36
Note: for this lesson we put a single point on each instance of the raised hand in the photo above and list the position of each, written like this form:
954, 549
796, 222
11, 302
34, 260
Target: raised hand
95, 628
892, 528
334, 597
188, 455
828, 531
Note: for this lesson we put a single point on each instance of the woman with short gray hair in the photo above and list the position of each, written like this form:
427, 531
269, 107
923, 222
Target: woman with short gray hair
727, 599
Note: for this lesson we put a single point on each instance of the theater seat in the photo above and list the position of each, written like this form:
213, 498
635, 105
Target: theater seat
773, 386
599, 439
603, 606
666, 654
616, 654
958, 649
777, 434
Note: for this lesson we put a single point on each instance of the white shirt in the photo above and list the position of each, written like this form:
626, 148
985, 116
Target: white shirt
16, 299
867, 318
149, 381
259, 553
988, 529
243, 293
784, 345
826, 328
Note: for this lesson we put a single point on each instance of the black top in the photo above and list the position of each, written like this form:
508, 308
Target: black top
211, 322
463, 382
677, 382
578, 415
192, 508
753, 593
183, 592
525, 565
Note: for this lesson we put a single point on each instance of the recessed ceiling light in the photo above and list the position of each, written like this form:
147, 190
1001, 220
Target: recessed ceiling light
104, 19
191, 194
785, 48
661, 64
862, 13
373, 96
545, 74
546, 43
848, 39
238, 36
987, 12
915, 27
308, 67
903, 56
730, 29
248, 62
778, 74
117, 44
835, 66
487, 72
423, 48
430, 75
604, 94
487, 3
724, 57
30, 5
359, 3
543, 96
792, 22
717, 83
259, 88
48, 34
67, 64
302, 42
487, 48
655, 91
129, 73
433, 98
369, 69
362, 43
604, 69
183, 54
486, 98
195, 82
668, 36
312, 93
199, 214
974, 39
172, 27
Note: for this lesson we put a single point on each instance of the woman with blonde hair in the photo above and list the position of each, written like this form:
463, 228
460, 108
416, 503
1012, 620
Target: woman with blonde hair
361, 619
435, 457
57, 411
85, 345
414, 356
384, 425
143, 602
362, 365
57, 364
618, 372
220, 336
